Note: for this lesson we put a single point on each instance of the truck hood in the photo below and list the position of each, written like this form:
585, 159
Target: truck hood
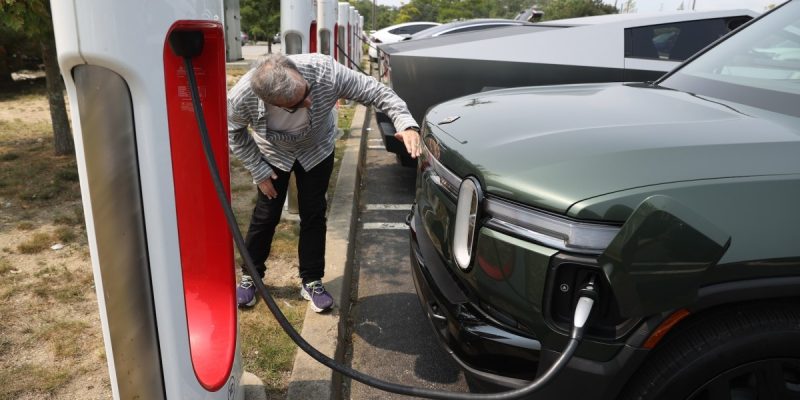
551, 147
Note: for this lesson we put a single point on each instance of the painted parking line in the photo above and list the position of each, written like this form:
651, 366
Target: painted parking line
388, 207
373, 146
385, 225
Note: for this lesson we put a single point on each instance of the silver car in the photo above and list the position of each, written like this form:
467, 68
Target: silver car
608, 48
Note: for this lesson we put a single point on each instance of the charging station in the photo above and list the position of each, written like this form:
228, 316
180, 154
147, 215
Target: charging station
361, 36
342, 41
299, 26
233, 30
161, 251
353, 22
327, 16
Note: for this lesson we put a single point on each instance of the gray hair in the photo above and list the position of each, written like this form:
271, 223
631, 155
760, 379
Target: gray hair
272, 80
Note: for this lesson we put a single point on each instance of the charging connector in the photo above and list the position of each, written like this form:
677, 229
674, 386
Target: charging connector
587, 296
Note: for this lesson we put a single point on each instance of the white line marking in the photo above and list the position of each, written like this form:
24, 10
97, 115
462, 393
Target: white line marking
375, 147
376, 140
385, 225
381, 207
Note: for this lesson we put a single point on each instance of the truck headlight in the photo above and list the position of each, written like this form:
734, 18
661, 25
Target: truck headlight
549, 229
470, 201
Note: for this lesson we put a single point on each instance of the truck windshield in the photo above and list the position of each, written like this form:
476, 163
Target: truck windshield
759, 66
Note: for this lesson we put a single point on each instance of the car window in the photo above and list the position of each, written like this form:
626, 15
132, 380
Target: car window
677, 41
416, 28
409, 30
474, 28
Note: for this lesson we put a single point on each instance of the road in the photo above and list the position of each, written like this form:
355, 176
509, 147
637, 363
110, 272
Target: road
252, 52
390, 336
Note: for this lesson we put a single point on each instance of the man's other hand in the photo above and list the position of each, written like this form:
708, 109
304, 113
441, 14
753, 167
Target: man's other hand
267, 188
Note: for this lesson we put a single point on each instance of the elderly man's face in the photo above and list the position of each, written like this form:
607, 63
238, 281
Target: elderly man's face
301, 99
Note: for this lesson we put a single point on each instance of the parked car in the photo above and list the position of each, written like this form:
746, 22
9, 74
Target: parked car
678, 199
244, 38
465, 26
608, 48
277, 38
395, 33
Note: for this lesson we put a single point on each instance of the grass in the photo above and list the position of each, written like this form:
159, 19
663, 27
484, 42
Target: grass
5, 266
266, 350
64, 337
28, 378
34, 173
36, 244
47, 303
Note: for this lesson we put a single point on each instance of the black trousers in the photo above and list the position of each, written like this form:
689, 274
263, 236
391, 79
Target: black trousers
311, 188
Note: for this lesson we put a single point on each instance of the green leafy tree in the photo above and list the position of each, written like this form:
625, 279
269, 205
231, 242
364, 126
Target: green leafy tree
260, 18
384, 15
560, 9
16, 53
418, 10
32, 20
452, 10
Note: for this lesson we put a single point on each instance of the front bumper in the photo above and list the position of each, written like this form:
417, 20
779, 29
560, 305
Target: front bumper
468, 336
495, 354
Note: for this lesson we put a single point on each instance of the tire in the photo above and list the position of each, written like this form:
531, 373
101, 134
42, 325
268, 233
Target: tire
749, 351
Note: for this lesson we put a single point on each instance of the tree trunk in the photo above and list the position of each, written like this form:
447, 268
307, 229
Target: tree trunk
5, 70
62, 134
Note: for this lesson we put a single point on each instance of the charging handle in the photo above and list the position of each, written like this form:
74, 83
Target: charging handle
186, 44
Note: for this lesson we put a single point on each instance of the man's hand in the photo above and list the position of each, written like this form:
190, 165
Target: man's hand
267, 188
410, 138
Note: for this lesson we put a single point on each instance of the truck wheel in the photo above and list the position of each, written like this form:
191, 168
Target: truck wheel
745, 352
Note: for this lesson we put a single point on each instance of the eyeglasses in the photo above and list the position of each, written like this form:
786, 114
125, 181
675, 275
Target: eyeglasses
292, 109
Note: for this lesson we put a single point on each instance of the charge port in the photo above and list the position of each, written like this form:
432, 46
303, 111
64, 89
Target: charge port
564, 289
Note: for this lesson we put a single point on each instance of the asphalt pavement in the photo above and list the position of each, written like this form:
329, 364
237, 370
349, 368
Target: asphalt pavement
390, 336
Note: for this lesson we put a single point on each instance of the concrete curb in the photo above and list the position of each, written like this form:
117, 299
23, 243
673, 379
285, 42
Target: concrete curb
253, 387
310, 379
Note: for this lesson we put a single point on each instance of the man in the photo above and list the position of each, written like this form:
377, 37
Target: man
287, 103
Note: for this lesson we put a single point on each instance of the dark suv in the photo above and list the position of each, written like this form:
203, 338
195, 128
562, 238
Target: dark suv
679, 200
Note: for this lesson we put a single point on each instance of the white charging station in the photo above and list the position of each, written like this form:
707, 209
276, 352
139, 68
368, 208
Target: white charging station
353, 24
342, 42
298, 26
327, 18
361, 36
161, 251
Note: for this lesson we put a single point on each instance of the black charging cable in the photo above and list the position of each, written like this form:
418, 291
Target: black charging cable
189, 44
343, 52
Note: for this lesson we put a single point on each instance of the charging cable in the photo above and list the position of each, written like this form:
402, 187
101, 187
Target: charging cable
189, 44
344, 53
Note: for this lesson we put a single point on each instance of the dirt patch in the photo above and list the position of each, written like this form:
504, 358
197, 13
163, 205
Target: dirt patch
25, 100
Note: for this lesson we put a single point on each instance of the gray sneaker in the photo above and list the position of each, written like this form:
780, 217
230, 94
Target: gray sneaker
246, 292
314, 292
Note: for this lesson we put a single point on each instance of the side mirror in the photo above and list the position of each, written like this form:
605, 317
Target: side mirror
658, 259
